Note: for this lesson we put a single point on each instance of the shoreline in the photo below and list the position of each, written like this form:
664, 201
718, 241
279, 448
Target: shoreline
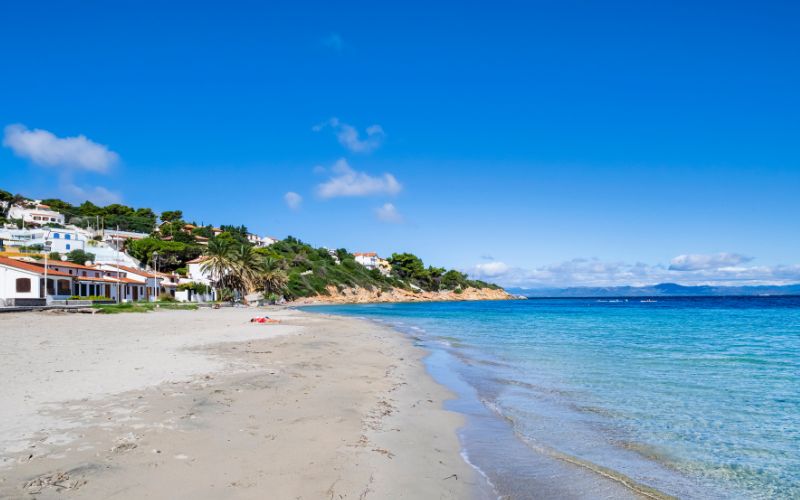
550, 473
319, 406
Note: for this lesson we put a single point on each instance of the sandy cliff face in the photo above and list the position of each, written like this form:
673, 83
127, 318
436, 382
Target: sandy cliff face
362, 295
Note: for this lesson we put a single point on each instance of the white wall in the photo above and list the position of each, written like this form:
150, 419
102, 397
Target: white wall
8, 284
35, 215
65, 241
196, 273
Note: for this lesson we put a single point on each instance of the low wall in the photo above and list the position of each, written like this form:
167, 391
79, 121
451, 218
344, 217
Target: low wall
23, 302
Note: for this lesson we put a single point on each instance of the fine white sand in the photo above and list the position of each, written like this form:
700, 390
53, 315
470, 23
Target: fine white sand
49, 358
204, 404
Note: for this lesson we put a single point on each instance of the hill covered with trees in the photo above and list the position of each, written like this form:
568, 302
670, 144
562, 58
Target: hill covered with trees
289, 268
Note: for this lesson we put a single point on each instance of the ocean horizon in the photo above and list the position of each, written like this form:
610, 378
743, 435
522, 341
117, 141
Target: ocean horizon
692, 397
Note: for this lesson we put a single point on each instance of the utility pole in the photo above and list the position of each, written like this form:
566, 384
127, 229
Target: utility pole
45, 278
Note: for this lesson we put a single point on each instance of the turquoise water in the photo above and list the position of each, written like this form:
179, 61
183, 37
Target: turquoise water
698, 398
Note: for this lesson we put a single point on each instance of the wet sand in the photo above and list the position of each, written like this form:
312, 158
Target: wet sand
204, 404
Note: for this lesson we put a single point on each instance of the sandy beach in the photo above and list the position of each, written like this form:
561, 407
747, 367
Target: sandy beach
205, 404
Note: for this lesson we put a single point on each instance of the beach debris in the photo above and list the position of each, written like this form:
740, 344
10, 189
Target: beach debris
58, 480
125, 443
451, 476
384, 451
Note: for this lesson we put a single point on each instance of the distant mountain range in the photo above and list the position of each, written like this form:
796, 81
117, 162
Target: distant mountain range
661, 290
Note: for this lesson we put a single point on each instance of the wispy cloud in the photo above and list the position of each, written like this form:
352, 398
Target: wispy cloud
597, 273
388, 213
97, 194
698, 262
45, 149
348, 182
350, 138
334, 42
293, 200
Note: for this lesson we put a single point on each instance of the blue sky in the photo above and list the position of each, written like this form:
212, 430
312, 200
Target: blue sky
533, 143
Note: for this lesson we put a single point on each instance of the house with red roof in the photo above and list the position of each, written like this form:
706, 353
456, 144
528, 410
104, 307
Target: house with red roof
23, 283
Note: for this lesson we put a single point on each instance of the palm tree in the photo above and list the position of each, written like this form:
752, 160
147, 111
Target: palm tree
273, 278
247, 267
220, 262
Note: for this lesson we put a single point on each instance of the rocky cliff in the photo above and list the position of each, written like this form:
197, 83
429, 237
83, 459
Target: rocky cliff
359, 295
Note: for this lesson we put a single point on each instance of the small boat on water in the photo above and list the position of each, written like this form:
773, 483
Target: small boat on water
645, 301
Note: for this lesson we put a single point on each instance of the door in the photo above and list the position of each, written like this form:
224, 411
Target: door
135, 293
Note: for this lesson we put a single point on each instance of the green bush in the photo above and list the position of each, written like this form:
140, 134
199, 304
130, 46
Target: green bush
80, 257
200, 288
89, 297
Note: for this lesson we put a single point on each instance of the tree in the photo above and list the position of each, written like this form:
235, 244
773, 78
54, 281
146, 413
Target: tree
89, 209
220, 263
453, 279
171, 215
274, 279
16, 199
79, 256
247, 264
117, 209
54, 256
172, 254
407, 266
59, 205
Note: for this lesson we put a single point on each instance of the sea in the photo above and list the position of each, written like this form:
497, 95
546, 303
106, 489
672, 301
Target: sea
693, 397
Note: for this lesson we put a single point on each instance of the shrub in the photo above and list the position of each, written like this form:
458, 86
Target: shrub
89, 297
200, 288
80, 257
165, 297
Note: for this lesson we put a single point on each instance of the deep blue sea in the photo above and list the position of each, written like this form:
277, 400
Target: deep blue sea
695, 397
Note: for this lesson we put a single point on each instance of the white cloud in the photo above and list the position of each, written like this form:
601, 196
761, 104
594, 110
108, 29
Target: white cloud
597, 273
97, 195
348, 182
293, 200
697, 262
491, 269
350, 138
388, 213
45, 149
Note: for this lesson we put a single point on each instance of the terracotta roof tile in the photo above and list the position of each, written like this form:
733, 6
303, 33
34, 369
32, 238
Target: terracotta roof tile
27, 266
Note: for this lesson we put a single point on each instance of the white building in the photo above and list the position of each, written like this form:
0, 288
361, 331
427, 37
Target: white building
50, 239
196, 273
93, 281
151, 284
261, 241
118, 239
23, 283
370, 260
35, 213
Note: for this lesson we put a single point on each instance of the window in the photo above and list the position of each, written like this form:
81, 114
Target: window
68, 236
23, 285
57, 236
51, 287
63, 287
67, 246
